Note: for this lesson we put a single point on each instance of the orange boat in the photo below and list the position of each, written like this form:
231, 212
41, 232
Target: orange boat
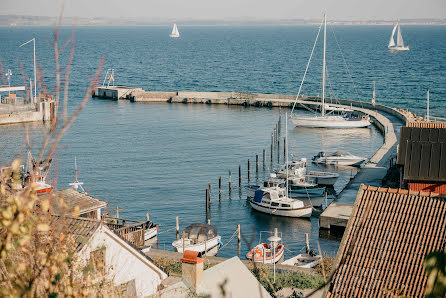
267, 254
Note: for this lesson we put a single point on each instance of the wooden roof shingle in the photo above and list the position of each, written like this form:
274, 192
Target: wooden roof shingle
388, 235
71, 199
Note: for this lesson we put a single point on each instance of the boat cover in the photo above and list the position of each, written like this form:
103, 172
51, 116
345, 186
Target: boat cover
258, 196
200, 232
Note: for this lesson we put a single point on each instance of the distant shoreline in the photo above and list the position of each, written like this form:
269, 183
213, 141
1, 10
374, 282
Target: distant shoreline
31, 21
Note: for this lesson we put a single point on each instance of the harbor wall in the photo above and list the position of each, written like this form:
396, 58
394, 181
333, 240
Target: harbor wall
42, 112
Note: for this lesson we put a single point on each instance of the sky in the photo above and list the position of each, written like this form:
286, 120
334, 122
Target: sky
230, 9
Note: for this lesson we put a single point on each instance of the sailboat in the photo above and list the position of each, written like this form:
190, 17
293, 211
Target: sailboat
399, 46
175, 32
327, 120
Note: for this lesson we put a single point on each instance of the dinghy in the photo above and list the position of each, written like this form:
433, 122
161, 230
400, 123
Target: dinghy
339, 158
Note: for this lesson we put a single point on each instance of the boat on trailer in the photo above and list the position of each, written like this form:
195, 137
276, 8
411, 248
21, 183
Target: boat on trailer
198, 237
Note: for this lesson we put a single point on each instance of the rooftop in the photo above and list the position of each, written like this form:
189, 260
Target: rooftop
385, 242
81, 228
73, 198
422, 152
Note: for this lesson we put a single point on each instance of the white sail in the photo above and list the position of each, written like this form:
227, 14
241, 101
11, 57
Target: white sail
175, 32
392, 39
399, 38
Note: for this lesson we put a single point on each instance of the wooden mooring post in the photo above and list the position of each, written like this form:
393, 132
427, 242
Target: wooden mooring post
249, 171
219, 188
238, 238
239, 176
257, 163
264, 151
209, 193
278, 151
177, 226
271, 150
230, 182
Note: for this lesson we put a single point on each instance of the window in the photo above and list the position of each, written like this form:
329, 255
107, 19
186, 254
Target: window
97, 258
274, 204
286, 205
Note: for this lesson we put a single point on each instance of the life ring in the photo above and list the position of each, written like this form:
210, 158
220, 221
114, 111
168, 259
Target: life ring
364, 118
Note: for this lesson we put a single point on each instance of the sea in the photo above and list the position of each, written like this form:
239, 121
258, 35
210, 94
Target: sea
159, 158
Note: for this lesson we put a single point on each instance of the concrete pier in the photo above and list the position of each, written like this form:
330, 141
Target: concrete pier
41, 111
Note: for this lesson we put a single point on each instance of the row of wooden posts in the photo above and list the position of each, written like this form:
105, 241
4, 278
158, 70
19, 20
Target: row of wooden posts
275, 142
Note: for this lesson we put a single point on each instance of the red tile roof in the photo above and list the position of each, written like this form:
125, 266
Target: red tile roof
426, 124
385, 242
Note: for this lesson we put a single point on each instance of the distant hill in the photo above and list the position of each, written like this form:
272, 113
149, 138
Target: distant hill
23, 20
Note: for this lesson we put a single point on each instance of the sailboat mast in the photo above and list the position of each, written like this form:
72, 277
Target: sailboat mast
286, 151
323, 66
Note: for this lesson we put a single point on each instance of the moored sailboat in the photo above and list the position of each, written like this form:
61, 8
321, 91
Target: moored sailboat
327, 120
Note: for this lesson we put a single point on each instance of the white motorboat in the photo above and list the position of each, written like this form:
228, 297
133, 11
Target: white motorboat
267, 253
326, 120
292, 168
272, 201
175, 33
303, 260
150, 230
198, 237
399, 46
323, 178
338, 158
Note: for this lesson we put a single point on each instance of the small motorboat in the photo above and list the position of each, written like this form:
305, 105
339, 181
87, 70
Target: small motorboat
273, 201
291, 168
338, 158
198, 237
323, 178
307, 260
267, 253
150, 230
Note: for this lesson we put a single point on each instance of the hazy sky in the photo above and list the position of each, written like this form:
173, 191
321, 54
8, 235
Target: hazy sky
221, 9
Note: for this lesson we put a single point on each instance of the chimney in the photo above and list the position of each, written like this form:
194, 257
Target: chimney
192, 269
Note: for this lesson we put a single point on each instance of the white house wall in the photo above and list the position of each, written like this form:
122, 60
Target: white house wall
123, 263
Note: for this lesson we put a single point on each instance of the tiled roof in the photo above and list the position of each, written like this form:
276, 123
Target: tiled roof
422, 152
385, 242
73, 198
81, 228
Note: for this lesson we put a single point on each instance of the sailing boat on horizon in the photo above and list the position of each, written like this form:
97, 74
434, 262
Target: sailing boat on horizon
175, 32
399, 46
326, 120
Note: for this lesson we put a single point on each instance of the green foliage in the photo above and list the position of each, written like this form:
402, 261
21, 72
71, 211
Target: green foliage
435, 265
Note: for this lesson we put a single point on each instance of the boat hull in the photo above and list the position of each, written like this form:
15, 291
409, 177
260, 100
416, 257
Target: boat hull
150, 233
323, 178
303, 261
329, 122
199, 247
340, 162
398, 49
310, 200
257, 254
297, 212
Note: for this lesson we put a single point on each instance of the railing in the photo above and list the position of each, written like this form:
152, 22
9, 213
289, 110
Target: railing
133, 234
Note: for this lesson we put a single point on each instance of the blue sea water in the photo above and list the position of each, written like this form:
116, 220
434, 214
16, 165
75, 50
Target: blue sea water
160, 157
